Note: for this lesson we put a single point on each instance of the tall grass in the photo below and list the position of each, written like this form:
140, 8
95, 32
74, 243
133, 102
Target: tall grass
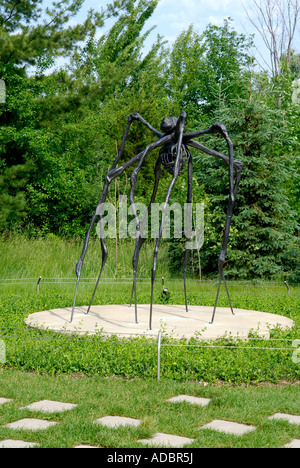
24, 260
56, 258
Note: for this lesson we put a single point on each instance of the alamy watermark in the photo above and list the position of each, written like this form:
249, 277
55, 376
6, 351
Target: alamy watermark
188, 221
2, 92
296, 91
2, 352
296, 353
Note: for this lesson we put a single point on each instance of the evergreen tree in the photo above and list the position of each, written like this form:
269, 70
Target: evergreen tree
263, 225
28, 32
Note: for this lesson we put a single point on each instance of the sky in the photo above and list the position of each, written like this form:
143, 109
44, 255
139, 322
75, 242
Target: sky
171, 17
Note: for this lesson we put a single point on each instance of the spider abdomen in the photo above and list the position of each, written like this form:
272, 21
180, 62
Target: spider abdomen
168, 155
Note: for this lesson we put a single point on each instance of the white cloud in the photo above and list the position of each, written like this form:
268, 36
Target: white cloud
216, 20
199, 12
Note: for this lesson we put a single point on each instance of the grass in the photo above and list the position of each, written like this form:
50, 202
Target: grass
54, 257
146, 400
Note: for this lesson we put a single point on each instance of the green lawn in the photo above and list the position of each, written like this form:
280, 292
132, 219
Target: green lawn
146, 400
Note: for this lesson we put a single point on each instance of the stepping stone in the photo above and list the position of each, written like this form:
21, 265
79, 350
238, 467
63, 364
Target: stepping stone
31, 424
190, 399
48, 406
229, 427
288, 417
85, 446
9, 443
116, 421
167, 440
294, 444
4, 400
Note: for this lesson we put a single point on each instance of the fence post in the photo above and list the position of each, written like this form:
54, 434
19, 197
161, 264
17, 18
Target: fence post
288, 288
158, 355
38, 285
2, 92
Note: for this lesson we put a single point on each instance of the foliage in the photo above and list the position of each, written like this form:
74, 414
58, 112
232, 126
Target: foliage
204, 68
263, 224
26, 33
262, 239
61, 129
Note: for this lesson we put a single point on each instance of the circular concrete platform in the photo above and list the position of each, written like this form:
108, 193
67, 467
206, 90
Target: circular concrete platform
170, 319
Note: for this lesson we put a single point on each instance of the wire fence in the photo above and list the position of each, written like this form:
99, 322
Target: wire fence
157, 342
20, 333
125, 280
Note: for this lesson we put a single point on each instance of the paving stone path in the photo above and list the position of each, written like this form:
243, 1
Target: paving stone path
31, 424
229, 427
48, 406
117, 421
158, 440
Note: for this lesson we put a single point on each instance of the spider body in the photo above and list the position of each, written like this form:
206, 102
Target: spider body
174, 155
168, 155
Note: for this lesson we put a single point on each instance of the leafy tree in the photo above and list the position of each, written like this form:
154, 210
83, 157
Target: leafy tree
31, 40
205, 67
120, 80
28, 33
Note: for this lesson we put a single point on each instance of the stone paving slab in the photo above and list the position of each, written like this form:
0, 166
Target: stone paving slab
190, 399
85, 446
293, 444
31, 424
116, 421
4, 400
229, 427
10, 443
287, 417
48, 406
167, 440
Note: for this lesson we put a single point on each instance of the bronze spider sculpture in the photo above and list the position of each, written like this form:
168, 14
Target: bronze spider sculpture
173, 156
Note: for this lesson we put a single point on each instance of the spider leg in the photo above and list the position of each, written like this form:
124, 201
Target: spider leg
238, 166
111, 176
217, 127
222, 257
180, 127
133, 182
189, 202
131, 119
140, 239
